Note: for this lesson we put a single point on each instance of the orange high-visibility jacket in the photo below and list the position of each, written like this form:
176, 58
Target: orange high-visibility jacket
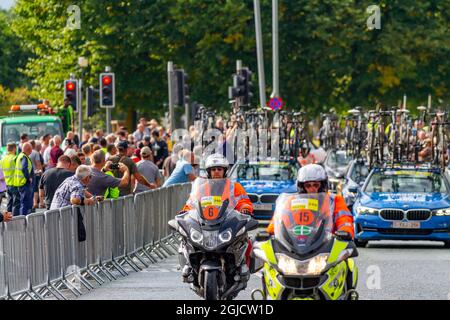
343, 218
240, 197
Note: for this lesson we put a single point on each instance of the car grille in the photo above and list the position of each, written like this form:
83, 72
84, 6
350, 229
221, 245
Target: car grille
253, 197
398, 215
407, 232
392, 214
418, 215
301, 283
269, 198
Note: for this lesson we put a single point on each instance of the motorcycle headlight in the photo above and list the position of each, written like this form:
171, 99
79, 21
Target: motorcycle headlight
210, 239
441, 212
225, 236
314, 266
367, 211
196, 236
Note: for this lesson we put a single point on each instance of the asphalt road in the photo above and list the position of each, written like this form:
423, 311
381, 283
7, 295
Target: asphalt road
388, 270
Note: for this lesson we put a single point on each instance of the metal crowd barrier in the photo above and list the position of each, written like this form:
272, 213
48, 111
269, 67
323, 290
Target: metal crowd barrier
41, 255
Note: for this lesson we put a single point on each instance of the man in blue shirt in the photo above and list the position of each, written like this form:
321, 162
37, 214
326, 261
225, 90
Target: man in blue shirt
184, 172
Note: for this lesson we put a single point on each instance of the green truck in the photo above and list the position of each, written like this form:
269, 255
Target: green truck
31, 123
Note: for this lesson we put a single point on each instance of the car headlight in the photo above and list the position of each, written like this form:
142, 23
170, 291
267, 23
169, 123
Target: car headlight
366, 211
313, 266
441, 212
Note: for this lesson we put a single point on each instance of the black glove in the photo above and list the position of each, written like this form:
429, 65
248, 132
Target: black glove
344, 235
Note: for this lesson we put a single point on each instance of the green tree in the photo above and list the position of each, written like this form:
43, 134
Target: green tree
328, 56
12, 55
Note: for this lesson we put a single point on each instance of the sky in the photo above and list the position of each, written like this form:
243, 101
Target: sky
6, 4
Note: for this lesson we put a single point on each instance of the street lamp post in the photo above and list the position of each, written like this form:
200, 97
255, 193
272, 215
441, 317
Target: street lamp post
83, 63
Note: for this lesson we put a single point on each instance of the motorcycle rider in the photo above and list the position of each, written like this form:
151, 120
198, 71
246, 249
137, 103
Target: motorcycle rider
216, 166
312, 178
306, 157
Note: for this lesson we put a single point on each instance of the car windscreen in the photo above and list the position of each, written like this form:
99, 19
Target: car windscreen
11, 132
338, 160
359, 172
271, 172
406, 182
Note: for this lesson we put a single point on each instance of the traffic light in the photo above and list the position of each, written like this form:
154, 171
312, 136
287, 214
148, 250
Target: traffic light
237, 90
247, 94
91, 101
107, 90
71, 93
179, 87
242, 87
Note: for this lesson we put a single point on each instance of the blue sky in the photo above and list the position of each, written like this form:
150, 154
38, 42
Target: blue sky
6, 4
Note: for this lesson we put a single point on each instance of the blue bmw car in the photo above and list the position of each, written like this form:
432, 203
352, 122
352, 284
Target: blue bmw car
403, 204
264, 181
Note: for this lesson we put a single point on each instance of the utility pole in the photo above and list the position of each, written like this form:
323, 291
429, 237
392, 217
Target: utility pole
171, 107
276, 66
260, 54
83, 63
108, 110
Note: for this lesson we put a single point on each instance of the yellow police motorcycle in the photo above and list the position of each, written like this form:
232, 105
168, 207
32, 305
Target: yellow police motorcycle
305, 260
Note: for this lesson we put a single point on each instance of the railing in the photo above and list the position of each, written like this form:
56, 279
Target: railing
41, 255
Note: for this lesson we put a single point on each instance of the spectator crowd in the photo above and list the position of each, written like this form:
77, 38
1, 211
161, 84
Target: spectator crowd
56, 171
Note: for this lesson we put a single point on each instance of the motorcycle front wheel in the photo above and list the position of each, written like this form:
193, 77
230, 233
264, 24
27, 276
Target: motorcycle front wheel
211, 286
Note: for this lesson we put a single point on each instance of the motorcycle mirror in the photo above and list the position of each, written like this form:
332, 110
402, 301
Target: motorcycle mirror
173, 224
262, 236
252, 225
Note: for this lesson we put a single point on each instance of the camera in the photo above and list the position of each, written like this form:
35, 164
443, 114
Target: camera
114, 166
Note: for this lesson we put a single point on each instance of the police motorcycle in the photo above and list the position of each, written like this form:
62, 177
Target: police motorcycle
214, 241
305, 260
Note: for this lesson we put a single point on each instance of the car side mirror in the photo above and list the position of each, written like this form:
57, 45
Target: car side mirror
353, 189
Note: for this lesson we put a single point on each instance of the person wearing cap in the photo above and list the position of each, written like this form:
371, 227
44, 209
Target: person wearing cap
101, 181
123, 157
148, 169
73, 190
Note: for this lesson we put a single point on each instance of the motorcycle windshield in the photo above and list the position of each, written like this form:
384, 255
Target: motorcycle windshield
303, 222
212, 198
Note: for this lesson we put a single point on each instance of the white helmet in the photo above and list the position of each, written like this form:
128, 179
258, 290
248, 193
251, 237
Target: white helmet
312, 172
216, 160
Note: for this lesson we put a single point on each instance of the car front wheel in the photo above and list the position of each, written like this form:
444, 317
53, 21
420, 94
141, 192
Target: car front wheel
361, 243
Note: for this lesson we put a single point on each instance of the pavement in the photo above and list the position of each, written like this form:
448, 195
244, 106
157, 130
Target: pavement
388, 270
